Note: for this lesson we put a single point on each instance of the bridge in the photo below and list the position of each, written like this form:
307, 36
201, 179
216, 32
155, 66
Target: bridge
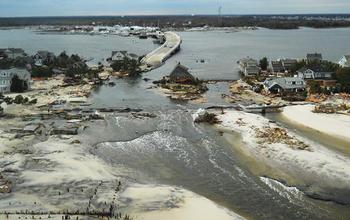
157, 57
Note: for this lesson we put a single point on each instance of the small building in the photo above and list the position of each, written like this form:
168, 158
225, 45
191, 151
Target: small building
2, 54
314, 57
43, 57
314, 73
12, 53
289, 64
285, 84
7, 75
276, 66
325, 84
249, 66
120, 55
344, 61
180, 74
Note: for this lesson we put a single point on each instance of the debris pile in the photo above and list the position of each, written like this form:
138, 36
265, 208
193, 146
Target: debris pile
330, 108
5, 186
206, 117
271, 135
19, 99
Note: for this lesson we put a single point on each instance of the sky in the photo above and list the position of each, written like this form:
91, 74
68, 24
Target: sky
23, 8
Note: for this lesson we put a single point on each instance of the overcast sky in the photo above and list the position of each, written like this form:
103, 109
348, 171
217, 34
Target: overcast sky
13, 8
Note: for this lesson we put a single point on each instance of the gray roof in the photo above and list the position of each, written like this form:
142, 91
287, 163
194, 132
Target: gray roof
311, 56
21, 73
286, 82
180, 71
248, 61
44, 54
277, 66
124, 52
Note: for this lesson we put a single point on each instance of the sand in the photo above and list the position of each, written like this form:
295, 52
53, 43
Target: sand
159, 202
313, 165
336, 125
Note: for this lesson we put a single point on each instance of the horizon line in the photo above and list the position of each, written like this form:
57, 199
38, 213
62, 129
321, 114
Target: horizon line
170, 15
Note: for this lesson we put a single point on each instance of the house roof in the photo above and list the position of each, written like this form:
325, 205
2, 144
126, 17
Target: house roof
316, 69
247, 61
124, 52
288, 61
285, 82
180, 71
347, 57
311, 56
45, 54
132, 55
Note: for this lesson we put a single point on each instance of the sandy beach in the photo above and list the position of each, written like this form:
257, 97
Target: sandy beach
159, 202
316, 166
337, 125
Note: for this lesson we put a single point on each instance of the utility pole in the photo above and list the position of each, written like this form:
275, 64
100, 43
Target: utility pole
219, 16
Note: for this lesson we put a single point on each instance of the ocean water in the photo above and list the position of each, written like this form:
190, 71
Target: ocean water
172, 150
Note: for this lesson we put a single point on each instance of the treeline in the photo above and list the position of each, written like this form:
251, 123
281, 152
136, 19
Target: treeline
187, 21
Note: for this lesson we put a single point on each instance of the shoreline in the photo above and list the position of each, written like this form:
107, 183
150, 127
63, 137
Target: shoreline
314, 168
336, 125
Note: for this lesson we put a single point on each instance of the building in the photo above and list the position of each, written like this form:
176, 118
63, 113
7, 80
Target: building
276, 67
43, 57
249, 67
120, 55
284, 84
314, 73
344, 61
180, 74
7, 75
314, 57
12, 53
289, 64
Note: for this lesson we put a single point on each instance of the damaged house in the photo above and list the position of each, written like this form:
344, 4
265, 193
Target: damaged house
180, 74
285, 85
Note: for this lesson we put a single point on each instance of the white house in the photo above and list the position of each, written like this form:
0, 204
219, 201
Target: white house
284, 84
249, 66
344, 61
43, 56
7, 75
312, 73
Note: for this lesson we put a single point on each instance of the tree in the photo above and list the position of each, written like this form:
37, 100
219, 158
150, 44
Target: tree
43, 71
264, 63
315, 87
127, 65
18, 85
343, 77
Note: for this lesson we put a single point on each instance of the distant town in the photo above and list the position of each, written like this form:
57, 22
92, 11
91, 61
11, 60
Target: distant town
180, 22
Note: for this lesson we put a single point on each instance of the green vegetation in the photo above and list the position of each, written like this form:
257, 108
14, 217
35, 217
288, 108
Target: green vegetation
127, 65
323, 65
187, 21
314, 87
343, 78
42, 71
18, 85
264, 63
